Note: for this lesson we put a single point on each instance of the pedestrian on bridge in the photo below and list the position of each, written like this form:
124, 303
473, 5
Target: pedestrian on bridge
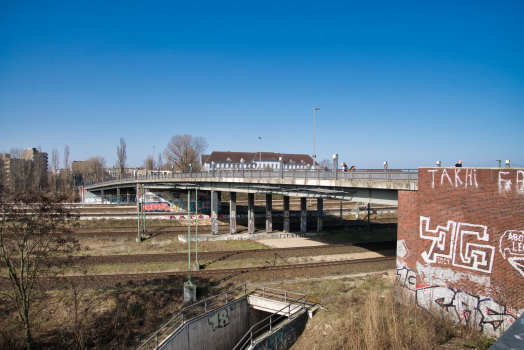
459, 164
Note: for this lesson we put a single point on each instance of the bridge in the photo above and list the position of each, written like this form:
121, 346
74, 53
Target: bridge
369, 186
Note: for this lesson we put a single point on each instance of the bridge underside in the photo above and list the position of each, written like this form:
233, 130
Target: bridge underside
378, 192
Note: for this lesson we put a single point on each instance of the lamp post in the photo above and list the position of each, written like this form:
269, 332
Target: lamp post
260, 159
314, 122
153, 160
190, 169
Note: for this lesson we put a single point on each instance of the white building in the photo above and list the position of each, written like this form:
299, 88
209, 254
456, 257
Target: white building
256, 161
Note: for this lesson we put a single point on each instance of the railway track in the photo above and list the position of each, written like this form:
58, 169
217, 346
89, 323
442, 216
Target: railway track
214, 273
209, 258
182, 229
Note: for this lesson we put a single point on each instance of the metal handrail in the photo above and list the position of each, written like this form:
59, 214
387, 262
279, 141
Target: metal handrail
366, 174
247, 339
190, 312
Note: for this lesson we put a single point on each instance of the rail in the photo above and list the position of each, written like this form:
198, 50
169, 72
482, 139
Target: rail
367, 175
190, 312
267, 325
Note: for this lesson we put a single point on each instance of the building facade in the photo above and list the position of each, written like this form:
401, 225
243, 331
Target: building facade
256, 161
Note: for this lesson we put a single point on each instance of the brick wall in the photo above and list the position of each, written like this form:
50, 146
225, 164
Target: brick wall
461, 245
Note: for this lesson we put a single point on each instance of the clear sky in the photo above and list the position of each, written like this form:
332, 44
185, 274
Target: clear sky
408, 82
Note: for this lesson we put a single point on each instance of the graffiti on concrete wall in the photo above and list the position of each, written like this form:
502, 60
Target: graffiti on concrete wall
512, 249
464, 308
175, 202
459, 244
407, 278
457, 177
219, 319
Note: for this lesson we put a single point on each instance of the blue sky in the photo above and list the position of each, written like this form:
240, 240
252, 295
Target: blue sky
408, 82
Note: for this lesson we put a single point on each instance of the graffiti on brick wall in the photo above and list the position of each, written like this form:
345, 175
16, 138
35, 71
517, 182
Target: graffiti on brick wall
407, 278
442, 276
457, 177
511, 181
459, 244
219, 319
464, 308
512, 249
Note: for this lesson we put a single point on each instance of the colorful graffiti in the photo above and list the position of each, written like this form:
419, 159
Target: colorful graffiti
464, 308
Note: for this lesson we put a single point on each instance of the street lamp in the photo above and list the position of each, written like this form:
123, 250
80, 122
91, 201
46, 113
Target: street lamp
260, 165
153, 162
314, 122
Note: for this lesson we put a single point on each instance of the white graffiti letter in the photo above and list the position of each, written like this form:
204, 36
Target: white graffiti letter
444, 172
442, 240
520, 181
432, 177
504, 185
468, 253
457, 178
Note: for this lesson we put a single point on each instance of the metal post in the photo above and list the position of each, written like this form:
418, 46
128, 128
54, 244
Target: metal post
500, 162
189, 234
242, 162
314, 122
281, 165
438, 163
196, 264
335, 166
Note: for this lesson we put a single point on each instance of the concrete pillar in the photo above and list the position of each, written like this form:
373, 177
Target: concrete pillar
251, 212
320, 212
233, 212
118, 196
269, 213
335, 166
281, 167
128, 199
214, 213
242, 161
286, 214
303, 214
110, 198
102, 196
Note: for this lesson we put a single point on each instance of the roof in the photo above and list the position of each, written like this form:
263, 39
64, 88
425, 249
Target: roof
250, 157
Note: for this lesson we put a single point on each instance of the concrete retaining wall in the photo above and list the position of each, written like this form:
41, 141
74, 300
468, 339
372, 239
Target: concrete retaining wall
285, 336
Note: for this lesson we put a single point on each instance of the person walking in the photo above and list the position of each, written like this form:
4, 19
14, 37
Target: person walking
459, 164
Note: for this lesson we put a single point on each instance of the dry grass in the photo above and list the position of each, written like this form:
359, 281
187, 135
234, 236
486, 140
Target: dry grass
363, 314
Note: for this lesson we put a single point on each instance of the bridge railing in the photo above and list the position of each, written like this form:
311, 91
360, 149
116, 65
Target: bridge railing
367, 175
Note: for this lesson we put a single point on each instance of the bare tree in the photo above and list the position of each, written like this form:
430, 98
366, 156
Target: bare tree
325, 164
122, 156
89, 170
183, 150
148, 163
55, 160
66, 157
34, 230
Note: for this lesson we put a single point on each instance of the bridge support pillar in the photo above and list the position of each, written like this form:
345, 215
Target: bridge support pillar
110, 198
320, 214
286, 214
233, 212
118, 196
251, 212
303, 214
269, 213
102, 196
128, 200
214, 213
